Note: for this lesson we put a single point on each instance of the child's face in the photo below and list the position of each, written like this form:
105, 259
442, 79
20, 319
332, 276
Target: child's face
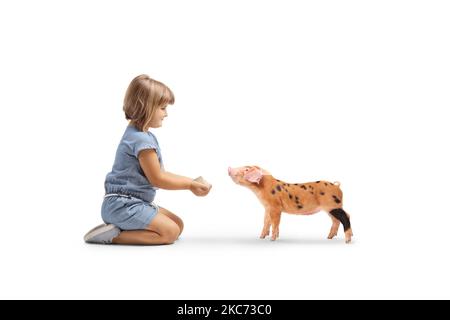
158, 117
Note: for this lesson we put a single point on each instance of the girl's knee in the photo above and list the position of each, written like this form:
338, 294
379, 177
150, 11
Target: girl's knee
171, 234
180, 226
173, 217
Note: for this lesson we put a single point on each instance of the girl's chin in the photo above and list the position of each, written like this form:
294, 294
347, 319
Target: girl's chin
154, 126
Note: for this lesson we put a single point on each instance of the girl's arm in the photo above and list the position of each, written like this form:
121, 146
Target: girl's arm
149, 162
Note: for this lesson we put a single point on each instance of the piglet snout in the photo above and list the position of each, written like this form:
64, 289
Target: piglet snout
231, 171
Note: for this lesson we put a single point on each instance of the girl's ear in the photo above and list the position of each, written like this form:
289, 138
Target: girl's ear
254, 175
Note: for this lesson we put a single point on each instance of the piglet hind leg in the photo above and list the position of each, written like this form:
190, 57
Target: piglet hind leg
343, 218
334, 227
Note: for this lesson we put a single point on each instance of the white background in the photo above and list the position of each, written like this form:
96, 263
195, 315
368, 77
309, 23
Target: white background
354, 91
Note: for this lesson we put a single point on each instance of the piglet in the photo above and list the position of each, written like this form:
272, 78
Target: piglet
296, 198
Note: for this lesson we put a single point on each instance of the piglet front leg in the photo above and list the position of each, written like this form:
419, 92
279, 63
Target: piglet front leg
266, 229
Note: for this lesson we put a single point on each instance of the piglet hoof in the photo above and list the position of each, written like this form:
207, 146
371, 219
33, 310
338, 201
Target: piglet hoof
331, 235
348, 241
264, 234
348, 235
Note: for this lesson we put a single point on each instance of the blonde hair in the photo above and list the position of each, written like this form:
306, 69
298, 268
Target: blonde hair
143, 97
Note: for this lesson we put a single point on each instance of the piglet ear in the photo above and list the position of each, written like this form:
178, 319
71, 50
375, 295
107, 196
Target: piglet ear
254, 175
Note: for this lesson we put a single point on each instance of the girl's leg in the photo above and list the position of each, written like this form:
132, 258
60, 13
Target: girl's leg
174, 217
162, 230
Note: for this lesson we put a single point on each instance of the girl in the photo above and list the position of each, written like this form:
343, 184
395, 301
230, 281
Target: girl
128, 208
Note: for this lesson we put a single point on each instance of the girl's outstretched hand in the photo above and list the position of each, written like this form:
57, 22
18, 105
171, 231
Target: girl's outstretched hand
200, 187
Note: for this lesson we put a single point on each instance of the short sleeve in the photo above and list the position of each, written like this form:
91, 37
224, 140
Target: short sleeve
144, 141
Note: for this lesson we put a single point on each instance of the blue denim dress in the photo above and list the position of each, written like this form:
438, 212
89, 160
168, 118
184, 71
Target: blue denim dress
129, 195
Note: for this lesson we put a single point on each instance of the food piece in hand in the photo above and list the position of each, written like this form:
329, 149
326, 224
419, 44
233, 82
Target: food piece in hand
203, 181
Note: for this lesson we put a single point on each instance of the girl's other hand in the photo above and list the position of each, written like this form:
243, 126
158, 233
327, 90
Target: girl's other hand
199, 189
